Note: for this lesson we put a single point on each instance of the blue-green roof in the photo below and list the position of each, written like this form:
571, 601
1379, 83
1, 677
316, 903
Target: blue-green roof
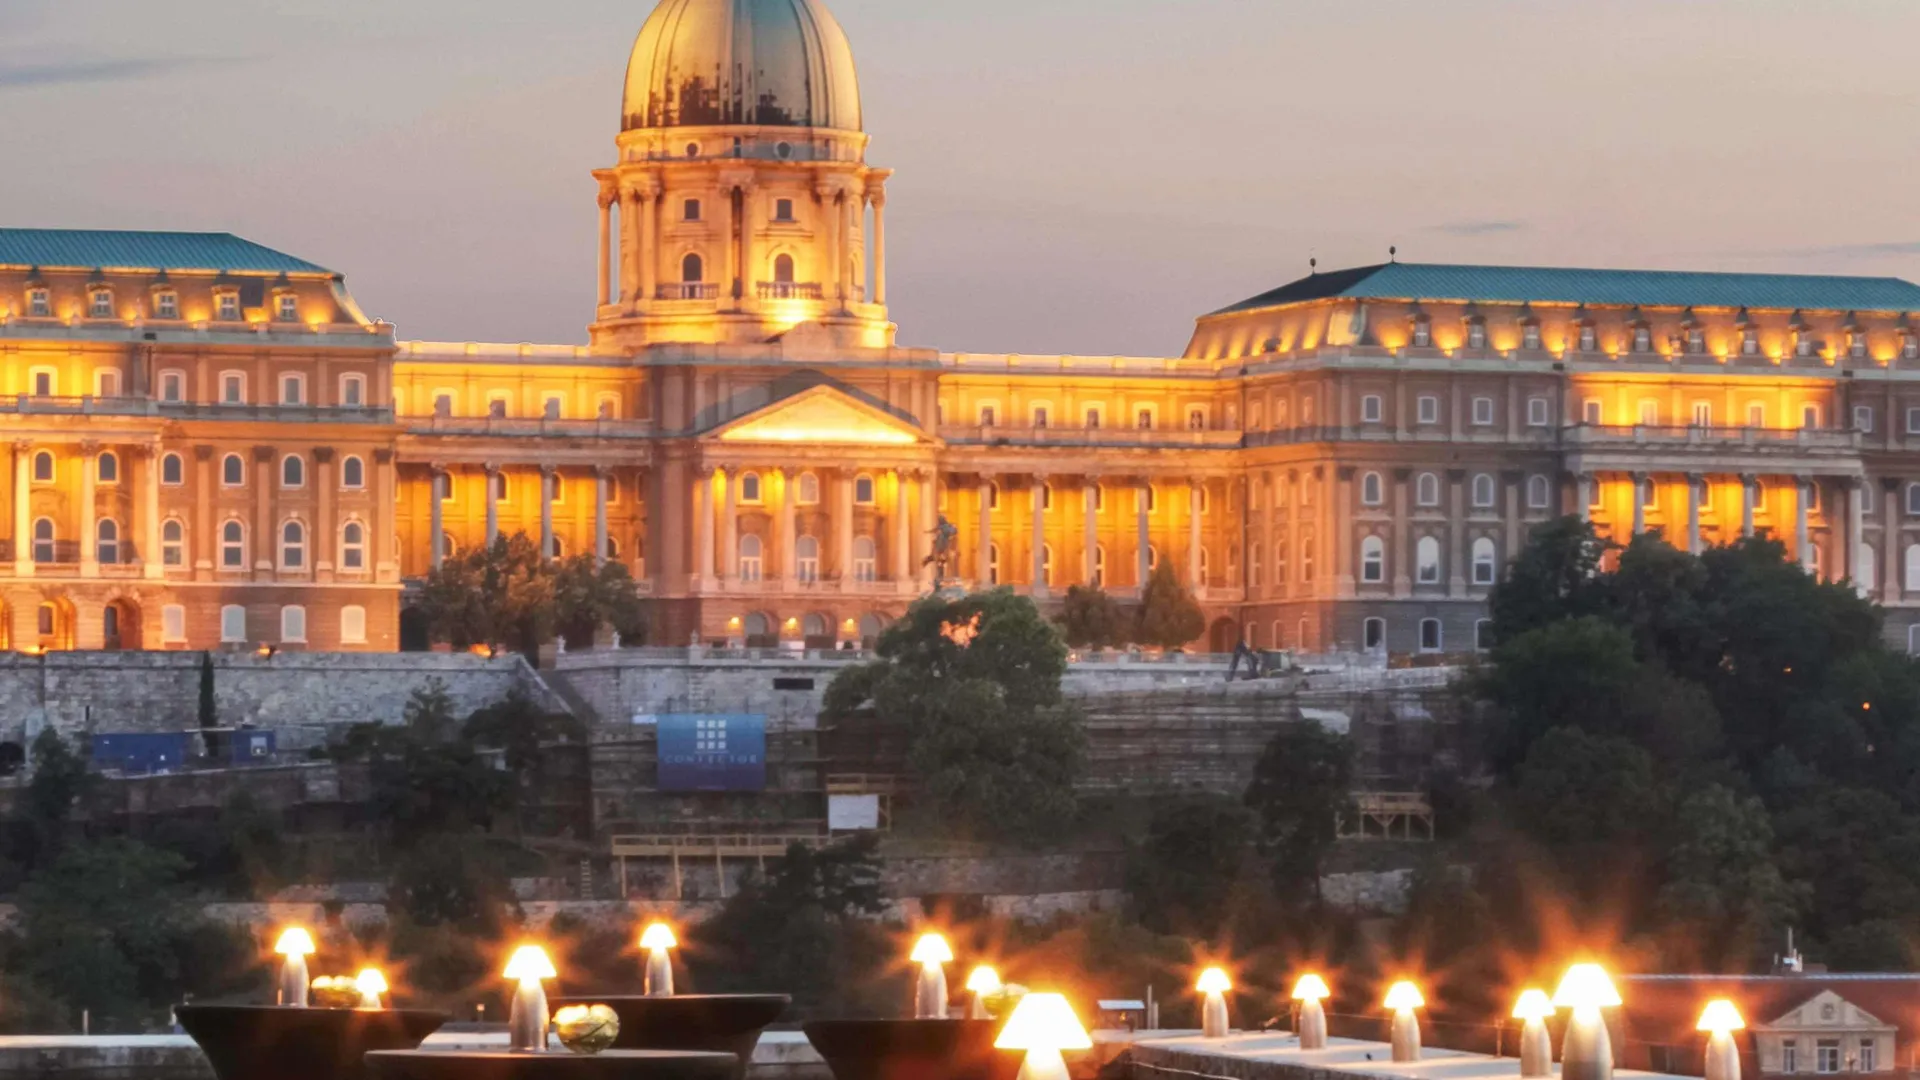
89, 249
1545, 285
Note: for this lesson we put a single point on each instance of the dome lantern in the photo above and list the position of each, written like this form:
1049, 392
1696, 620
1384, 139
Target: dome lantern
760, 63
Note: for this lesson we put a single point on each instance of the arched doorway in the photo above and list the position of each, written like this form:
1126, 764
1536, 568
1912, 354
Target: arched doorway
413, 631
817, 630
1224, 635
759, 631
12, 757
870, 627
53, 625
120, 626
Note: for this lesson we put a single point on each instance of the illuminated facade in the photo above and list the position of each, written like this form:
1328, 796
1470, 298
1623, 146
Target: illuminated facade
1344, 462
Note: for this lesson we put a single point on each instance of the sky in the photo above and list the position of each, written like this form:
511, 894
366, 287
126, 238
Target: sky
1073, 176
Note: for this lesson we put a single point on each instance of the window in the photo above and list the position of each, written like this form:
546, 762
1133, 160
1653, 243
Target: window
1696, 340
1040, 416
353, 473
1046, 498
1428, 409
233, 471
293, 389
750, 487
807, 559
1591, 412
1826, 1056
173, 625
993, 564
863, 559
227, 307
690, 211
293, 546
1857, 345
233, 388
783, 269
166, 304
107, 542
353, 546
43, 467
1913, 500
1253, 567
106, 383
293, 471
1373, 634
1530, 337
233, 546
1196, 419
1749, 342
100, 304
1810, 417
1422, 333
783, 210
1099, 566
1372, 491
750, 558
1427, 559
1537, 412
1485, 563
173, 543
808, 493
556, 547
1046, 564
1804, 345
1649, 414
1913, 421
692, 269
1426, 490
172, 470
353, 625
987, 416
39, 305
293, 624
1373, 560
173, 386
1863, 419
1429, 635
1093, 418
107, 468
1868, 1059
1143, 419
233, 624
1539, 493
1476, 335
43, 384
1911, 350
1484, 493
1482, 635
1702, 414
1642, 338
353, 391
287, 308
43, 545
1371, 409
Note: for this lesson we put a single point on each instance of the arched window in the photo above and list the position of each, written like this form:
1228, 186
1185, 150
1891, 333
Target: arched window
1427, 558
293, 624
692, 269
107, 542
173, 471
43, 546
863, 560
1539, 493
809, 489
353, 625
233, 471
1099, 567
1485, 563
353, 546
233, 624
1372, 491
556, 547
758, 627
1863, 567
1280, 563
293, 546
293, 471
1153, 559
1253, 567
814, 625
1373, 560
353, 473
1306, 559
863, 490
1046, 564
750, 558
1430, 635
993, 564
870, 627
993, 495
107, 468
783, 269
1373, 634
1427, 490
498, 483
750, 487
233, 546
43, 467
806, 557
173, 543
1483, 491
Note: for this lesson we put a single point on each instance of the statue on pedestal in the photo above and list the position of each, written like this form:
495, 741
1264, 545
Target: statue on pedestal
944, 540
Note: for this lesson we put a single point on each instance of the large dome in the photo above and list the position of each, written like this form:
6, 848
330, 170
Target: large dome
783, 63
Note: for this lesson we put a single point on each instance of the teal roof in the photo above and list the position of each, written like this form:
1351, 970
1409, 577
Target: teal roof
1624, 288
89, 249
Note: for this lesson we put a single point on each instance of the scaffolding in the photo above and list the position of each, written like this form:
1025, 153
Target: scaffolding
717, 846
1386, 810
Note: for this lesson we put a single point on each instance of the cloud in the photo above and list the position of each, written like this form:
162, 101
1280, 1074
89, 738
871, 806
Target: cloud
1478, 228
16, 75
1866, 251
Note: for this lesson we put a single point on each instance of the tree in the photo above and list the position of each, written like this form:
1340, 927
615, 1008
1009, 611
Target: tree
1724, 895
1301, 783
518, 727
60, 781
1553, 577
1183, 874
1169, 616
428, 779
589, 594
209, 710
495, 596
976, 683
1090, 619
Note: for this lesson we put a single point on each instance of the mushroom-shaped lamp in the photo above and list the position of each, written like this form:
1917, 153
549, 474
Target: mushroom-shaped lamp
1588, 1051
371, 985
1310, 991
981, 981
1536, 1045
1043, 1025
527, 1021
657, 939
1404, 997
932, 953
1213, 1014
294, 946
1720, 1020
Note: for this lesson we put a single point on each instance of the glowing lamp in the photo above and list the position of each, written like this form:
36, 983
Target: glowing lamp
294, 946
981, 981
1720, 1020
1310, 991
1214, 981
1588, 1050
1536, 1045
930, 994
1043, 1025
527, 1021
657, 939
1404, 997
371, 985
1213, 1013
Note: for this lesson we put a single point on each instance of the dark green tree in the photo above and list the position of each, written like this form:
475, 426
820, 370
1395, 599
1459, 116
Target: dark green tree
498, 596
1724, 898
1168, 615
1301, 784
209, 710
1183, 875
1091, 619
589, 595
1554, 577
60, 783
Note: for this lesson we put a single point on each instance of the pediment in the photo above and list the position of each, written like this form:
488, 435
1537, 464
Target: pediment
1827, 1009
819, 416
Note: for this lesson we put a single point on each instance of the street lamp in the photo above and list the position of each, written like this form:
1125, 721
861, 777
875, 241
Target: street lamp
371, 985
1720, 1020
1043, 1025
1213, 1014
1403, 998
294, 946
657, 939
527, 1020
1536, 1045
930, 997
1310, 991
1587, 1053
981, 981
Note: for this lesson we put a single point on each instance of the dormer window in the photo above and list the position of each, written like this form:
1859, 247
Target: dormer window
1530, 337
1804, 345
1642, 338
1696, 340
1422, 334
227, 306
166, 304
1911, 351
287, 308
1589, 340
1857, 344
1476, 335
783, 210
1750, 342
100, 304
690, 210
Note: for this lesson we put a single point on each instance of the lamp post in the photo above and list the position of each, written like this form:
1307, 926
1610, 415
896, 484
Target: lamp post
1404, 997
1043, 1025
1720, 1020
1536, 1045
294, 946
931, 952
1587, 1053
527, 1021
1213, 1013
1310, 991
371, 985
981, 981
657, 939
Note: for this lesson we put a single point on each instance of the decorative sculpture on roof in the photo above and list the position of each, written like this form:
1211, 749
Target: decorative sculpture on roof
944, 537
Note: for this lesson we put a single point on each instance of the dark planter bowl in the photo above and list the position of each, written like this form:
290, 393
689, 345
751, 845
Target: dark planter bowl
266, 1042
723, 1023
913, 1049
549, 1065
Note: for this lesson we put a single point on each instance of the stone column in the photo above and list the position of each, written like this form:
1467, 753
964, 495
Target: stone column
1891, 549
879, 196
607, 196
836, 239
549, 476
983, 547
23, 508
923, 525
783, 519
266, 535
1803, 490
631, 260
1456, 534
1342, 555
436, 495
1694, 482
1402, 542
730, 269
1143, 532
89, 511
646, 206
382, 537
843, 272
901, 496
205, 544
152, 565
843, 527
601, 478
1038, 542
1856, 532
1640, 481
325, 539
1747, 482
1512, 482
1090, 525
729, 523
493, 504
1583, 494
1195, 579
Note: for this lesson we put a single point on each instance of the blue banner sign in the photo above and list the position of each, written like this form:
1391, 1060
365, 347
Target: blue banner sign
712, 751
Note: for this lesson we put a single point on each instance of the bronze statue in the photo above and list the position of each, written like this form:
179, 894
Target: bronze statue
944, 534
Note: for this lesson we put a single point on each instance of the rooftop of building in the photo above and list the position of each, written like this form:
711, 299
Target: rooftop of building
125, 250
1612, 288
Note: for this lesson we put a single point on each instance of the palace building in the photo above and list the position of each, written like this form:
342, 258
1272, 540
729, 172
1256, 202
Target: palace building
213, 447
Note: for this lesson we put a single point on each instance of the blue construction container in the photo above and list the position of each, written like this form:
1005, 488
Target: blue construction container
144, 753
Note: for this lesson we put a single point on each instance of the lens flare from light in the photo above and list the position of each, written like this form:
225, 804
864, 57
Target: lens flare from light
1214, 981
1311, 988
1043, 1022
932, 949
1721, 1017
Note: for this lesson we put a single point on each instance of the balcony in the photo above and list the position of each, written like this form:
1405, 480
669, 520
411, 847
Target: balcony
788, 290
89, 405
1712, 438
1088, 437
689, 290
529, 427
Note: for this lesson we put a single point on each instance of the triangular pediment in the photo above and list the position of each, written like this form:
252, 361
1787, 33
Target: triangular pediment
820, 415
1827, 1009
